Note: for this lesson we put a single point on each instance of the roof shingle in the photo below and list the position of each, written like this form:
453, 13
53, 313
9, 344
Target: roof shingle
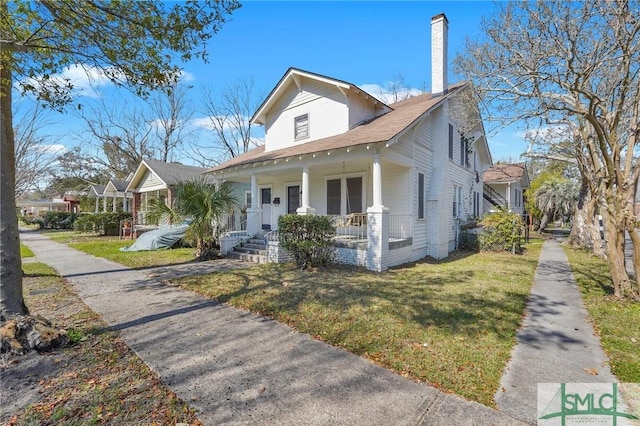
379, 129
504, 173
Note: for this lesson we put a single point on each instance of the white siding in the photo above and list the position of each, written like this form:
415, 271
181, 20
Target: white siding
360, 110
396, 189
326, 108
150, 181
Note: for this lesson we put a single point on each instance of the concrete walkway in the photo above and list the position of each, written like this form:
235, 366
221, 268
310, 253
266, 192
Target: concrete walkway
556, 344
238, 368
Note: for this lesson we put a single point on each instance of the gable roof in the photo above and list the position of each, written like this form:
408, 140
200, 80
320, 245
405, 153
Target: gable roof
402, 116
117, 185
507, 173
169, 173
96, 191
294, 75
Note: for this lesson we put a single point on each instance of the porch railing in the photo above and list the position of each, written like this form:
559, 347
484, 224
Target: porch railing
400, 226
351, 227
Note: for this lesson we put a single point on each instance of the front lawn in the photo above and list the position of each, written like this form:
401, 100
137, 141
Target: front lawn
616, 321
109, 248
450, 323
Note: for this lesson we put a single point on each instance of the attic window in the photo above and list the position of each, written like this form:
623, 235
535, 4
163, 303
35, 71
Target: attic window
301, 126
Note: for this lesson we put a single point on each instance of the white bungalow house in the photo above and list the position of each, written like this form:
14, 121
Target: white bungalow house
114, 190
399, 179
156, 179
504, 187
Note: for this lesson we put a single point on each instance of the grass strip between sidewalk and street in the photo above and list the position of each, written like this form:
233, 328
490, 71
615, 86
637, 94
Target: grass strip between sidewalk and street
25, 252
98, 380
451, 323
615, 320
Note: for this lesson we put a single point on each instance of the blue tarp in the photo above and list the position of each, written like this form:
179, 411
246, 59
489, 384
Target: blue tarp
161, 238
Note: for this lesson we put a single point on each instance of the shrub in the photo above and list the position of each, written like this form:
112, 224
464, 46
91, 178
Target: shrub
502, 232
107, 223
58, 220
308, 238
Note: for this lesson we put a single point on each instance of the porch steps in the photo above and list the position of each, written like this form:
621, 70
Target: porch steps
254, 250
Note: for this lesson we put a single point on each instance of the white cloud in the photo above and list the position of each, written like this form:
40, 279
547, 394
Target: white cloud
53, 149
85, 80
186, 76
384, 94
228, 122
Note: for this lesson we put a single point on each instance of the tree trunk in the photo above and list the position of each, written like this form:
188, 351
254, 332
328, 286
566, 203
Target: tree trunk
593, 225
614, 238
635, 239
580, 235
11, 299
544, 222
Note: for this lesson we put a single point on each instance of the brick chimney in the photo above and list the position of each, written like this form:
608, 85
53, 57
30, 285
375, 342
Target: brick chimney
439, 58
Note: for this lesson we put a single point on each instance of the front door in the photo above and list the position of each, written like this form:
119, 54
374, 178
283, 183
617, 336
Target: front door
293, 199
265, 201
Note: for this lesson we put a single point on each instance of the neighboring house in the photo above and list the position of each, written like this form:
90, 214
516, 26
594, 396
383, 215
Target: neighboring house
40, 207
114, 190
97, 191
504, 187
399, 179
157, 179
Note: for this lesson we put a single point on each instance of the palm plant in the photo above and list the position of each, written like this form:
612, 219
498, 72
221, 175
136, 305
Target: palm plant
202, 204
555, 196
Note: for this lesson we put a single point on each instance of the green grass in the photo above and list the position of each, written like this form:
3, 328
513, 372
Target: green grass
615, 320
109, 248
25, 251
450, 323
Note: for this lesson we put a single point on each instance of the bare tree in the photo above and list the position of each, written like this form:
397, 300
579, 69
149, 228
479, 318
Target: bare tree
229, 113
121, 135
171, 112
574, 65
35, 151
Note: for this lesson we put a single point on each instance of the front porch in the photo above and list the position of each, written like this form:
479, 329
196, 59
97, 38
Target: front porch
359, 240
349, 189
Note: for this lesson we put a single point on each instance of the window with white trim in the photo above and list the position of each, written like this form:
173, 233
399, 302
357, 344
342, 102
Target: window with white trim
301, 126
476, 204
420, 195
345, 195
457, 201
450, 142
247, 199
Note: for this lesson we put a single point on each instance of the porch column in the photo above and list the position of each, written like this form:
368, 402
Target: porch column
508, 197
377, 181
254, 214
135, 207
104, 203
113, 208
377, 224
305, 208
97, 204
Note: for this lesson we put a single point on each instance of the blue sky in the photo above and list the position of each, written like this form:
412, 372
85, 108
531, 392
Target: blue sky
364, 43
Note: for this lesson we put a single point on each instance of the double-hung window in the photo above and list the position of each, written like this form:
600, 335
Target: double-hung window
457, 201
476, 204
301, 126
450, 142
420, 195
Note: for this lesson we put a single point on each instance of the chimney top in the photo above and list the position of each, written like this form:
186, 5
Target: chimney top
438, 16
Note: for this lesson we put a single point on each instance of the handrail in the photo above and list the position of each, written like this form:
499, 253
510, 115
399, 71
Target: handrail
492, 195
